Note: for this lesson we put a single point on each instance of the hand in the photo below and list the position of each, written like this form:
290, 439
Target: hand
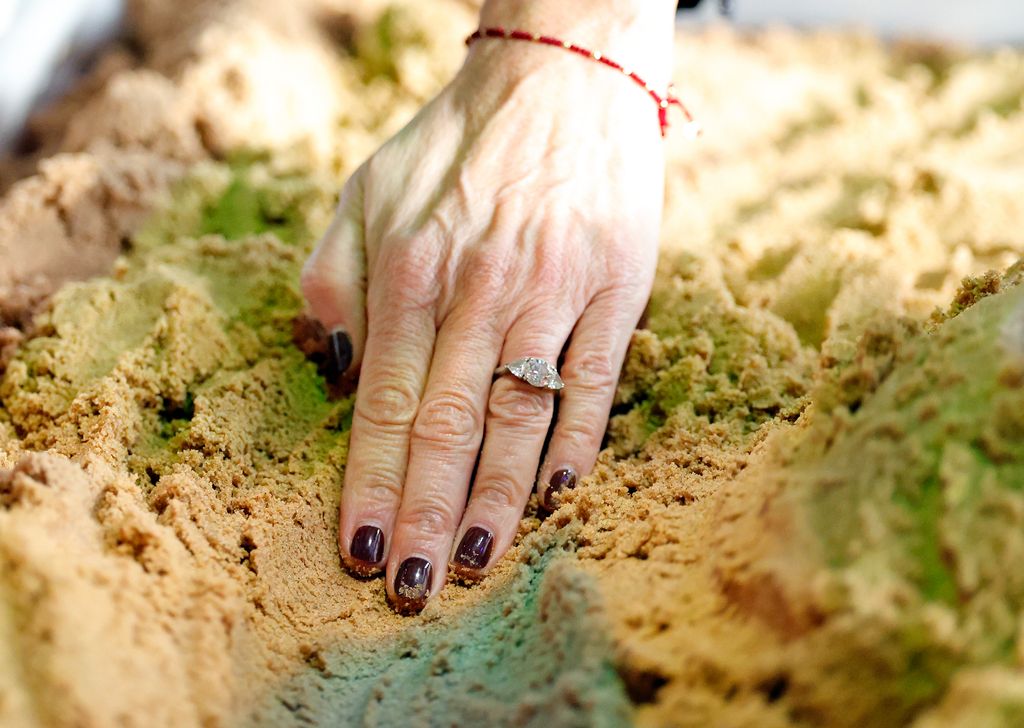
521, 207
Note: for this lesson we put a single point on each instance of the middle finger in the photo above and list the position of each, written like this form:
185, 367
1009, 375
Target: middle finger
443, 447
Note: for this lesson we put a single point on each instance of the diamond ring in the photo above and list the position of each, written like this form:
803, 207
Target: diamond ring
533, 371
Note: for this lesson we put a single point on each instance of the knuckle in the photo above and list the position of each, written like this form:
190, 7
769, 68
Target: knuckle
630, 300
624, 268
500, 491
580, 434
546, 306
489, 270
628, 261
410, 272
379, 490
478, 319
550, 271
433, 519
549, 278
449, 418
593, 371
515, 405
387, 405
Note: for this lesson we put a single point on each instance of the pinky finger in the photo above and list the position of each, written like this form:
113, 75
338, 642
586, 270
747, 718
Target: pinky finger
590, 371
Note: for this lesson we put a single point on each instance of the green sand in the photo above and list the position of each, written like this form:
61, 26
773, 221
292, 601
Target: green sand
535, 654
841, 525
894, 520
183, 363
908, 495
907, 491
809, 511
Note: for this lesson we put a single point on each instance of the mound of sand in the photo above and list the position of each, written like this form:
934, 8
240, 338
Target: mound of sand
809, 508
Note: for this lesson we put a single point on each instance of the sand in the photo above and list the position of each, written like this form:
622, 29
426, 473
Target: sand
809, 507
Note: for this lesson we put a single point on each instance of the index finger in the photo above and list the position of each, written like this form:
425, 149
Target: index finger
401, 331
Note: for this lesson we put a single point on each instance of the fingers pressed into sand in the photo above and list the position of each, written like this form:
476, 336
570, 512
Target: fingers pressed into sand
518, 418
590, 371
333, 282
443, 448
401, 338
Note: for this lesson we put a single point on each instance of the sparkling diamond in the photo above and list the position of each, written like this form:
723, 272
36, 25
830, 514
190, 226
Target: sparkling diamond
536, 372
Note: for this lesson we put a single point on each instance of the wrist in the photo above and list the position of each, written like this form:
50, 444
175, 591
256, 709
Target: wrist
551, 93
639, 34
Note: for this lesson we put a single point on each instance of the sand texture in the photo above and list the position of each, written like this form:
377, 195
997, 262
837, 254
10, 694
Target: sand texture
810, 509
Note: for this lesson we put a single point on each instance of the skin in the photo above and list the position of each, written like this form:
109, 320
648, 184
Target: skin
516, 215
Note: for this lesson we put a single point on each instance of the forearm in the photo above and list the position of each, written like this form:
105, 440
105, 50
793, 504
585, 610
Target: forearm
636, 33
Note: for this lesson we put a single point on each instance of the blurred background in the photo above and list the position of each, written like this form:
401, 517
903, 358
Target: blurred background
980, 22
45, 43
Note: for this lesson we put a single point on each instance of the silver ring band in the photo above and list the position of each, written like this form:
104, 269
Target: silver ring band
534, 371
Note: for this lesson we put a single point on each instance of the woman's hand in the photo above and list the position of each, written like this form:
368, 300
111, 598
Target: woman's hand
517, 212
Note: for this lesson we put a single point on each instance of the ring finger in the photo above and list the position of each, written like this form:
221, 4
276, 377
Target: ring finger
518, 418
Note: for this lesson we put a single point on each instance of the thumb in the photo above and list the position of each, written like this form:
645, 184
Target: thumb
334, 282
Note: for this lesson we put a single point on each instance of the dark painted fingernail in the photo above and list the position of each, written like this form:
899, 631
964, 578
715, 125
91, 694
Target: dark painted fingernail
412, 585
367, 545
562, 479
475, 548
339, 354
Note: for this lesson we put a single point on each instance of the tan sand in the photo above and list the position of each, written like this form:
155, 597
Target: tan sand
809, 508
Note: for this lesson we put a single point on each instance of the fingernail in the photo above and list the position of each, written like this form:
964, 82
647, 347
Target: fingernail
412, 585
367, 545
561, 479
339, 353
475, 548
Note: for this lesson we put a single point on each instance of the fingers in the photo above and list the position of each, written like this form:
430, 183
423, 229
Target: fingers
333, 282
590, 372
398, 348
518, 417
443, 447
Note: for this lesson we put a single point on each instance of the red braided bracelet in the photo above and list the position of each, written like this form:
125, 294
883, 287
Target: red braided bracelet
669, 99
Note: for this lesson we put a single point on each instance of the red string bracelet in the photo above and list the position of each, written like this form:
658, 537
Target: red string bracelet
664, 102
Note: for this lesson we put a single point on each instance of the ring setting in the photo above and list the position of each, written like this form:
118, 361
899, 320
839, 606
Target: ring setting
534, 371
